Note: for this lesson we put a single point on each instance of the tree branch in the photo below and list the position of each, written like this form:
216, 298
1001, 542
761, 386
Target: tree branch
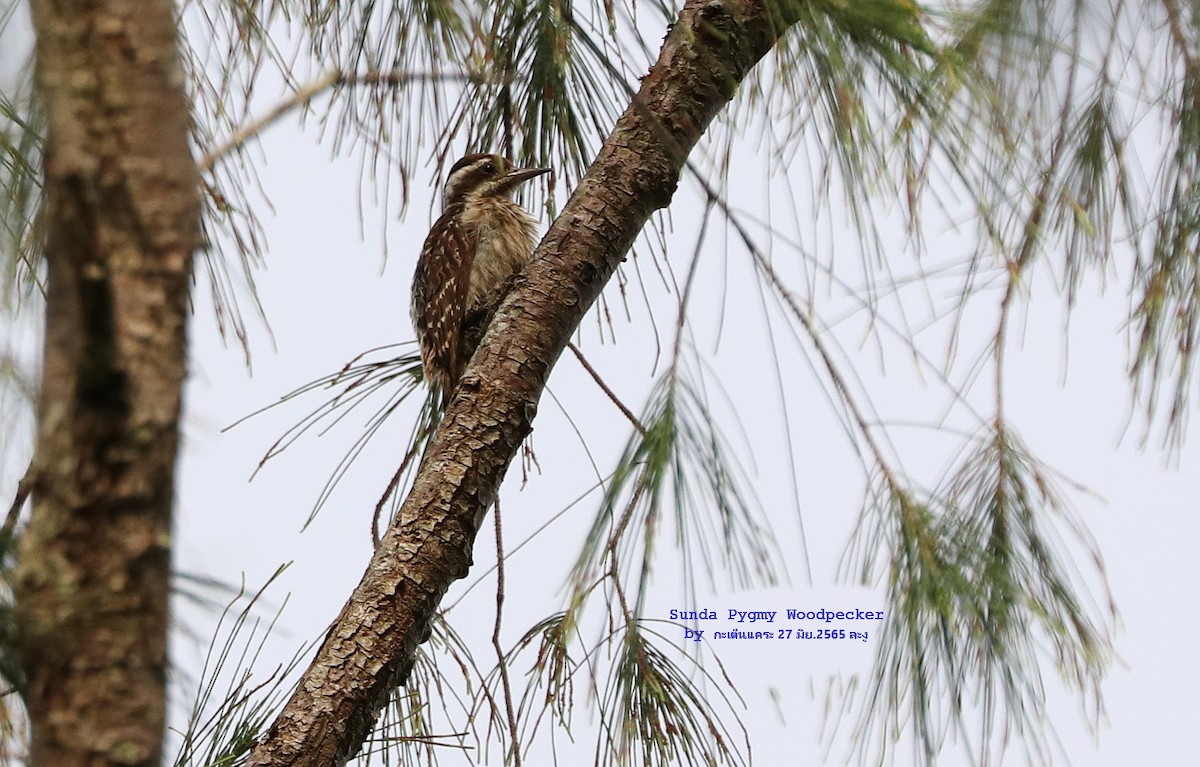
302, 96
370, 649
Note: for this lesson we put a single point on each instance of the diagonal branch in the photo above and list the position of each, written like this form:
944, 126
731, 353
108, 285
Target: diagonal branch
370, 649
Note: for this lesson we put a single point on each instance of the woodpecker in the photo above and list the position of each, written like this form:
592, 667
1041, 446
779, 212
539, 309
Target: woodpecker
480, 242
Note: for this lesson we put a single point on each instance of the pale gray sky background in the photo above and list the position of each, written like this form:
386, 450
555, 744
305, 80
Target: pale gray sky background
330, 295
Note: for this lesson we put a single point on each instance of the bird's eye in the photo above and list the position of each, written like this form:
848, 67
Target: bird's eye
490, 168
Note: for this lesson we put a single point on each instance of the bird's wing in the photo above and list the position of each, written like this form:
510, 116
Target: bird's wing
439, 299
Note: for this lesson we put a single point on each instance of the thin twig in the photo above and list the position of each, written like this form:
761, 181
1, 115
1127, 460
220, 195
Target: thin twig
1175, 24
1031, 237
387, 493
806, 322
501, 663
302, 96
24, 487
633, 419
251, 129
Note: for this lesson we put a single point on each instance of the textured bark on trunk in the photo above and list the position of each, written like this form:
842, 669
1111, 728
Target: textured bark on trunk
371, 646
122, 212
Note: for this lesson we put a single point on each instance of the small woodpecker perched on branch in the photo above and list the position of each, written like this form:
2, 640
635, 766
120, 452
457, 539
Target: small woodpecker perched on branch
482, 240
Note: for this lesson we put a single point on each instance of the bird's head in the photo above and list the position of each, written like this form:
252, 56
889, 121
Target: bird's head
485, 175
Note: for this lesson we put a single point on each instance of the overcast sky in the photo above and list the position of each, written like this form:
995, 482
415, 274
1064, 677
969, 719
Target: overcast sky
330, 295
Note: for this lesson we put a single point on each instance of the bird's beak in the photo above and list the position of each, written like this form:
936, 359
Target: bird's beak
521, 175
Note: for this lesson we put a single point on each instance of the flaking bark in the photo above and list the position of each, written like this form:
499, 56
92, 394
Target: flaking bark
370, 649
122, 212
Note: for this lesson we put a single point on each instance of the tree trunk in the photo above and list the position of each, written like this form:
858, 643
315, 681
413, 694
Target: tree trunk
122, 212
370, 648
